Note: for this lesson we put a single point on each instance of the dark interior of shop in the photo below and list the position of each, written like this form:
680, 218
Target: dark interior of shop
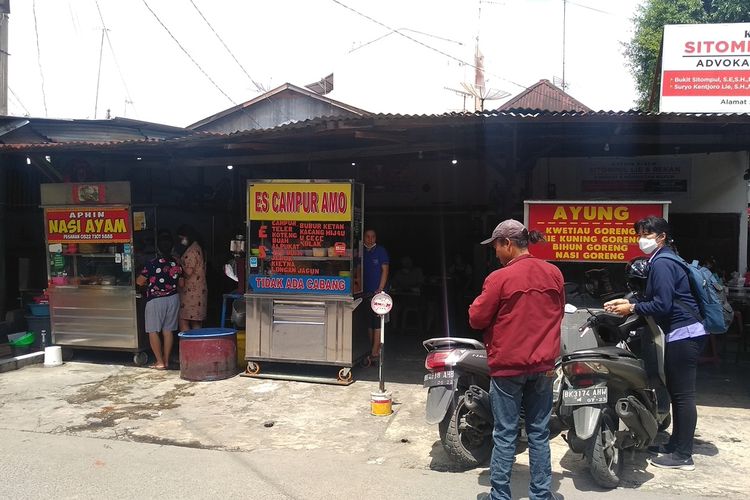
431, 193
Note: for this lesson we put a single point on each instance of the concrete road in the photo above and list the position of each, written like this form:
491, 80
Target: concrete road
97, 427
43, 466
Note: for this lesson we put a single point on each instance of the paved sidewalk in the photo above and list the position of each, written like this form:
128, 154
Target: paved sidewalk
101, 397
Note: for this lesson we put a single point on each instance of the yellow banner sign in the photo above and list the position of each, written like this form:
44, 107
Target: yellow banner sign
300, 201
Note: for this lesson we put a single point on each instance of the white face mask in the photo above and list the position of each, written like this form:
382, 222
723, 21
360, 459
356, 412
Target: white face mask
369, 247
647, 245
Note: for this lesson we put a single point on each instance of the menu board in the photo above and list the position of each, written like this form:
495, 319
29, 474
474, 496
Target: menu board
301, 238
583, 231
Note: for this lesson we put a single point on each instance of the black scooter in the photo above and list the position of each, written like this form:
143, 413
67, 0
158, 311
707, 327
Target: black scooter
458, 398
614, 396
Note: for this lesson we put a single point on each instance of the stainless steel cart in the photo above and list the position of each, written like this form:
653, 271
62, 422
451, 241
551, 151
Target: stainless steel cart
304, 278
90, 268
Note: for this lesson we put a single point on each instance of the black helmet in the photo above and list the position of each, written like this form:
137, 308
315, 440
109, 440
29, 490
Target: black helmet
636, 274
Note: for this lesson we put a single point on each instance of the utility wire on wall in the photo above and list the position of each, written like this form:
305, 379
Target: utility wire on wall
39, 56
258, 86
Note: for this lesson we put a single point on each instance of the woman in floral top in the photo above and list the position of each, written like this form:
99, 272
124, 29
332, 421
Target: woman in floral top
162, 276
194, 295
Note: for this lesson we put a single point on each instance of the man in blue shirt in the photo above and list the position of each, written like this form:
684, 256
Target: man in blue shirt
375, 277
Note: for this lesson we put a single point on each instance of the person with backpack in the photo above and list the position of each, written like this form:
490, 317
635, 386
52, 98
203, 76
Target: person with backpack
671, 300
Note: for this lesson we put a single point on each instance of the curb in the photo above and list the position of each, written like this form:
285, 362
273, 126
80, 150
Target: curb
10, 364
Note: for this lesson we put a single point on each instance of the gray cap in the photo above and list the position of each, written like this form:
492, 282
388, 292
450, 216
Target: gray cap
509, 228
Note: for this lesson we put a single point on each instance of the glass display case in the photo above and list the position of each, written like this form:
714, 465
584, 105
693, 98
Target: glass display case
91, 264
304, 273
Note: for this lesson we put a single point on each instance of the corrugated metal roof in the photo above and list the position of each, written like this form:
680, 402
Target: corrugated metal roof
17, 130
270, 94
415, 121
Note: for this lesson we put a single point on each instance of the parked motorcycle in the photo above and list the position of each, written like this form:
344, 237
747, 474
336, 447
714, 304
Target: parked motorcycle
458, 399
614, 395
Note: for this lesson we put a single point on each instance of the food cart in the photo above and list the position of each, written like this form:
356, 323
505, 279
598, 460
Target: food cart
304, 276
90, 267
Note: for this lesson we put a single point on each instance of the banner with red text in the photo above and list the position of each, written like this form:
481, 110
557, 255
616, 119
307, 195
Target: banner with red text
300, 201
87, 225
300, 238
706, 68
581, 231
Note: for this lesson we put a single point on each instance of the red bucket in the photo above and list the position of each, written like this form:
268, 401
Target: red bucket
208, 354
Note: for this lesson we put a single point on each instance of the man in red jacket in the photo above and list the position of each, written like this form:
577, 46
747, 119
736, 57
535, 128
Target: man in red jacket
520, 311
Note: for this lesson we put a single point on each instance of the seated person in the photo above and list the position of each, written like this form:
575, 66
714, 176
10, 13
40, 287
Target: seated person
408, 277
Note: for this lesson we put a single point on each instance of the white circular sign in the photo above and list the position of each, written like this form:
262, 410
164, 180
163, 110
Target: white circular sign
381, 303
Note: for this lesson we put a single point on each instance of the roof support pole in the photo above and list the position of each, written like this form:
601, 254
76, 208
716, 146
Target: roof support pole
3, 239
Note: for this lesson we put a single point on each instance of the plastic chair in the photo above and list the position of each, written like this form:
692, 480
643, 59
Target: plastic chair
411, 319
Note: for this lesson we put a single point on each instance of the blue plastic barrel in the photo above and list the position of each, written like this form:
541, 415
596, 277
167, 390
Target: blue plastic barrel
208, 354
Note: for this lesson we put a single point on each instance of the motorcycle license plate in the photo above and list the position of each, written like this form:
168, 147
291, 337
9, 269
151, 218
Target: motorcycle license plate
585, 396
438, 378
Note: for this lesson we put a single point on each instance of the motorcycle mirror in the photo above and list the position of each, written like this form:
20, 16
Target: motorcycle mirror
570, 308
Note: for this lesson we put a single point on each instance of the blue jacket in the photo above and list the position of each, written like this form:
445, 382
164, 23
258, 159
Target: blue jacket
667, 281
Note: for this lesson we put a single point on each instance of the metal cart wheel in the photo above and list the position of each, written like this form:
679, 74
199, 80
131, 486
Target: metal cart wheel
253, 368
345, 375
140, 358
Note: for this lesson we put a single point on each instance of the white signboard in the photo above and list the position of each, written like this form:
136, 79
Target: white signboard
381, 303
706, 68
645, 177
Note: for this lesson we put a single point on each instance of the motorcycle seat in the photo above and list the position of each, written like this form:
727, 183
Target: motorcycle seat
610, 352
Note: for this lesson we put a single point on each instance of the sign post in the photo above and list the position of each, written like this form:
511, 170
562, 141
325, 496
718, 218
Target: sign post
381, 304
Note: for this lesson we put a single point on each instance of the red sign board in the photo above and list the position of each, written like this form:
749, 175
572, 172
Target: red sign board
87, 225
588, 231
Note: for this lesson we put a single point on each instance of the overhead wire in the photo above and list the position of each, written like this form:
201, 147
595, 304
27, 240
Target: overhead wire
188, 53
114, 58
592, 8
18, 99
73, 18
242, 110
39, 56
258, 86
434, 49
450, 56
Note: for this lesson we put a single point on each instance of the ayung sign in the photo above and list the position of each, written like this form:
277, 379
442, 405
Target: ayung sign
706, 68
581, 231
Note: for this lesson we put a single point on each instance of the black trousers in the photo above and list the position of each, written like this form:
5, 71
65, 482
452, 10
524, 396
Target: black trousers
681, 365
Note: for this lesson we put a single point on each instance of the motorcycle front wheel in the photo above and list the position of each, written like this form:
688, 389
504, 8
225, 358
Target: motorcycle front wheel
466, 438
605, 458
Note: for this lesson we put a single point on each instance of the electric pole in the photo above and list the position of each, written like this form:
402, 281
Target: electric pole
4, 14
